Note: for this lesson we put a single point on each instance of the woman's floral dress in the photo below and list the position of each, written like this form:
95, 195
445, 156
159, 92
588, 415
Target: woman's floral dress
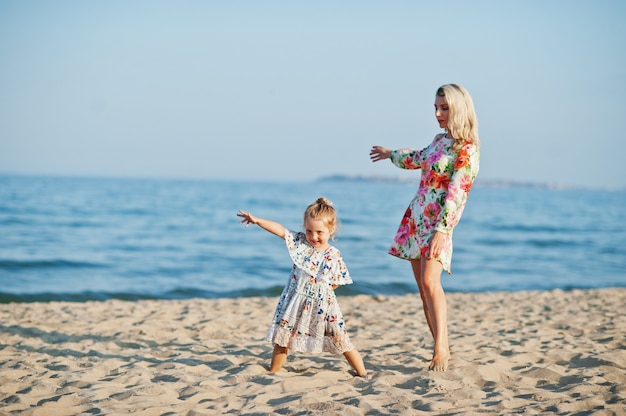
307, 317
447, 177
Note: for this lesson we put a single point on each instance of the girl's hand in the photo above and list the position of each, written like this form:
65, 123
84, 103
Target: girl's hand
379, 153
247, 218
268, 225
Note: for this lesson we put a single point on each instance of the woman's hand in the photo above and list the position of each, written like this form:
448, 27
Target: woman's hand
247, 218
379, 153
436, 245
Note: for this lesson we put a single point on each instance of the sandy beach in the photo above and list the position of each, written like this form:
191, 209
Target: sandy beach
553, 352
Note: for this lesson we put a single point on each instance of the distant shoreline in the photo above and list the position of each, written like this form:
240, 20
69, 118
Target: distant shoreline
482, 183
414, 179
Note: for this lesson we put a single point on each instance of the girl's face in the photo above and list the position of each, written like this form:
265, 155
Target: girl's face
317, 233
441, 111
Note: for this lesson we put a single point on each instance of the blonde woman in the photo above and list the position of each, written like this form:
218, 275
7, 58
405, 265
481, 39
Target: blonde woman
448, 166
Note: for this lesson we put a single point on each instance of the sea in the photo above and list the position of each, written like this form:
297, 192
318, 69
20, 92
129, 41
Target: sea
81, 239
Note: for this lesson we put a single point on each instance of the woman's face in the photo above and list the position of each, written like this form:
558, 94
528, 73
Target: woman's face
441, 111
317, 233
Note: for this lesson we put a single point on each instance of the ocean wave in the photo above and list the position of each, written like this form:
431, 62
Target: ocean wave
11, 264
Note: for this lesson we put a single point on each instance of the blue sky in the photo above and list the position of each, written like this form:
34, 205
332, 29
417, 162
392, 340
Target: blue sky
299, 90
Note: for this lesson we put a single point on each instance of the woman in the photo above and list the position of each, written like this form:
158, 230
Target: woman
449, 166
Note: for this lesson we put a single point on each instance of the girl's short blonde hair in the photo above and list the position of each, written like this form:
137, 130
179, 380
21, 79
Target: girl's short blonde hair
322, 209
462, 120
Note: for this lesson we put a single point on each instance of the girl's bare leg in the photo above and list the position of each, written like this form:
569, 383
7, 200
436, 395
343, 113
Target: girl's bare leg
355, 360
436, 308
416, 265
279, 355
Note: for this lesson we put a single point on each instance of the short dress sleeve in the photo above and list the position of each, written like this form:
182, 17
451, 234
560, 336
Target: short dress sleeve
325, 266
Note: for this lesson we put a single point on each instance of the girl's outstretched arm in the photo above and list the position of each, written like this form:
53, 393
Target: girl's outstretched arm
268, 225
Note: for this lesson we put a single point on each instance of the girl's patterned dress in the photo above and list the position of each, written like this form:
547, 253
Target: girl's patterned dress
447, 177
307, 317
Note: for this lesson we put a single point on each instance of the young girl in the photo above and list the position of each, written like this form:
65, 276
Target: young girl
308, 318
449, 166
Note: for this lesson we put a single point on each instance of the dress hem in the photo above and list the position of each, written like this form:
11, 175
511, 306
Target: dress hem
308, 344
418, 258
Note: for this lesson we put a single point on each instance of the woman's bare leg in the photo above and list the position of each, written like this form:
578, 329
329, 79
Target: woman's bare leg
416, 265
279, 355
436, 305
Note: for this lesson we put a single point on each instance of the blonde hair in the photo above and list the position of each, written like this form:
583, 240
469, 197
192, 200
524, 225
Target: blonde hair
462, 121
322, 209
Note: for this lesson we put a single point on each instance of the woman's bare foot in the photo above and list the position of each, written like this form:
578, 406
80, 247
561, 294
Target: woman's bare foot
439, 361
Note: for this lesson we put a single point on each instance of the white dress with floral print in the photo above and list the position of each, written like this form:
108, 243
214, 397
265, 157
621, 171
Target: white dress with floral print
447, 177
307, 317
